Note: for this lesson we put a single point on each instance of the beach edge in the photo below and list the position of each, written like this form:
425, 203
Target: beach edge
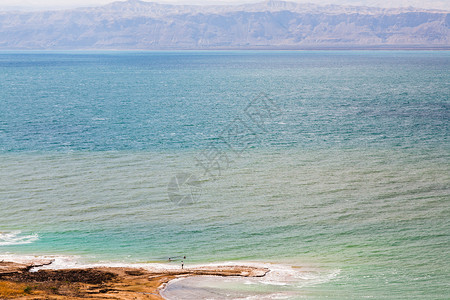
27, 281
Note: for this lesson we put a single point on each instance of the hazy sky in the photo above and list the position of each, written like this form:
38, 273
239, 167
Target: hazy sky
441, 4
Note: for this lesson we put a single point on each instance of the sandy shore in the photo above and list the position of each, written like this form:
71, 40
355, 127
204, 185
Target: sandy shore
17, 282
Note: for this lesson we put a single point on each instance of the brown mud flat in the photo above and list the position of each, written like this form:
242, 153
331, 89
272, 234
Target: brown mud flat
17, 282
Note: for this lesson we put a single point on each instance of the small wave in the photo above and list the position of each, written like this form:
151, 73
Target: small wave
275, 296
77, 262
16, 238
285, 275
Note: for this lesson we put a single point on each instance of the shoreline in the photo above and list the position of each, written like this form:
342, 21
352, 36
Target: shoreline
20, 281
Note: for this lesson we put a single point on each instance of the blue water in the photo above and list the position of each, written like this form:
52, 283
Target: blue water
347, 180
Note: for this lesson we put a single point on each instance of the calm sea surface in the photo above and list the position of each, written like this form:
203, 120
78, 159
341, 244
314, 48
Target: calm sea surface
331, 168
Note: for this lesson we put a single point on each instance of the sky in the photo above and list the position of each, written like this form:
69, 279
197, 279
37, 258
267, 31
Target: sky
56, 4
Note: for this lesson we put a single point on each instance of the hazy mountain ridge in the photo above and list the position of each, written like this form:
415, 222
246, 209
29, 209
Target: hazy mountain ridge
271, 24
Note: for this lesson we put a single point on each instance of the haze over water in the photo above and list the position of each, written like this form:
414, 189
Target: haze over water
348, 183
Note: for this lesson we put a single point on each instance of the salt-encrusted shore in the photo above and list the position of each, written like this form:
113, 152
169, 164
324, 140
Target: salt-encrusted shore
17, 281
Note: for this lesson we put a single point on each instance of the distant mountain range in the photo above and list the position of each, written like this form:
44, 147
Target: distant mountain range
268, 25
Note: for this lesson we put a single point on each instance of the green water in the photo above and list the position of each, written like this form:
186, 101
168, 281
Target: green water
348, 183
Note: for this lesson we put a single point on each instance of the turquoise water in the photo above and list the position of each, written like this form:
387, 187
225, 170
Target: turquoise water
348, 182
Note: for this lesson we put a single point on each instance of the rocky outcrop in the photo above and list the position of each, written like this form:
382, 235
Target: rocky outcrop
10, 268
242, 271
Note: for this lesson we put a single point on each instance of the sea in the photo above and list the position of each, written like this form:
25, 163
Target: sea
330, 168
